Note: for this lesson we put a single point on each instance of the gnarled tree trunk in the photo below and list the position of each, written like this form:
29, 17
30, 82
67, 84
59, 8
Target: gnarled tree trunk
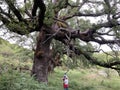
42, 57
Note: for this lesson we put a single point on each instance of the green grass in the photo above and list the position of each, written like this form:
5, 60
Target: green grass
85, 80
79, 79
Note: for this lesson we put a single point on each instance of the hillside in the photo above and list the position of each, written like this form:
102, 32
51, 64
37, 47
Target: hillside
15, 68
13, 51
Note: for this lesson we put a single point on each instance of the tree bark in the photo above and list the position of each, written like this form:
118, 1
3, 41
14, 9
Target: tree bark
42, 57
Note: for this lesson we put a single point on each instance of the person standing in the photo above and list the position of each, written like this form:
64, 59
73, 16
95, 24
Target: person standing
65, 82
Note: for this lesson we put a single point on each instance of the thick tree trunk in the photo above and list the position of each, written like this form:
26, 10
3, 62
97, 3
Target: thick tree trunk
42, 57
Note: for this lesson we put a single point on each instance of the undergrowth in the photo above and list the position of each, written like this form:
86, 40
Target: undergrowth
83, 79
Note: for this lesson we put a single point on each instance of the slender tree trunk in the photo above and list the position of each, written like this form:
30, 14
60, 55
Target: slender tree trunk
42, 57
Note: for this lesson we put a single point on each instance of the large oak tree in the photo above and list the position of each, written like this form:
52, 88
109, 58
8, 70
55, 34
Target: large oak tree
64, 21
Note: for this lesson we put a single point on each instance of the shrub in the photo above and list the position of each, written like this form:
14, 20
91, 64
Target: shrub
13, 80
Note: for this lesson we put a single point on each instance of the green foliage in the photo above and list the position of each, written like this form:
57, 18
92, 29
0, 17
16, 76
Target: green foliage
109, 57
111, 10
23, 54
102, 57
49, 14
60, 4
13, 80
116, 31
80, 60
14, 52
23, 27
84, 24
75, 60
57, 47
84, 79
18, 26
79, 79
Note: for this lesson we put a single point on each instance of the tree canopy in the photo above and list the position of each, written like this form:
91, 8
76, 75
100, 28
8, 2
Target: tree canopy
74, 23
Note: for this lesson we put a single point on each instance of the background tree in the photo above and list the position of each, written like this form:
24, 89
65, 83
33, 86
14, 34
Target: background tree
64, 21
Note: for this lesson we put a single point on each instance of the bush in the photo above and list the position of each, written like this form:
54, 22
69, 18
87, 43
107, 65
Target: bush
13, 80
74, 85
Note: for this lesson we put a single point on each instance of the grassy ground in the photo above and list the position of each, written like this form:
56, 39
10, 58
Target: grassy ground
13, 57
86, 79
79, 79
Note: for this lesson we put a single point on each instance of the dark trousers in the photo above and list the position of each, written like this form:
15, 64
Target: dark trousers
65, 88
